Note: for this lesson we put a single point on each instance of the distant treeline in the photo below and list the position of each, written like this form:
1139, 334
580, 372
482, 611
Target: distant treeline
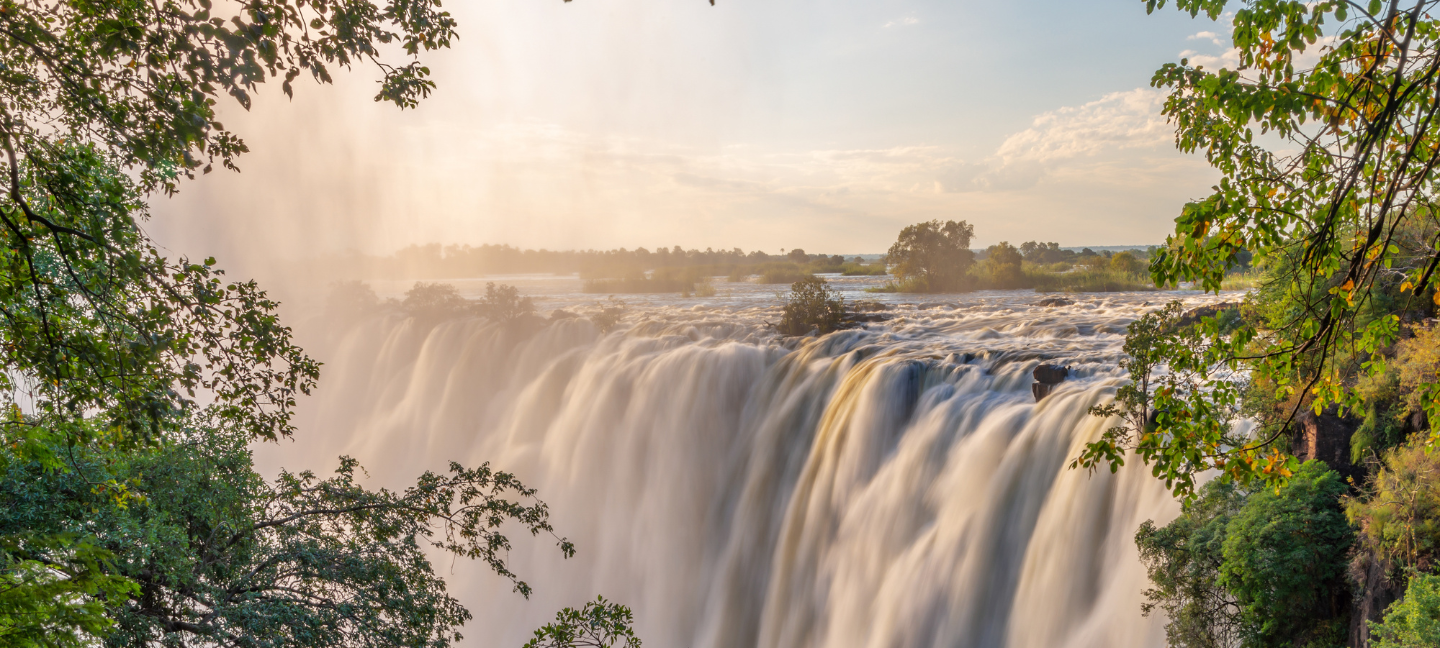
435, 261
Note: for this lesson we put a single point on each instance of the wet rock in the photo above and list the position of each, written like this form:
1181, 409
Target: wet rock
1051, 374
1376, 593
1055, 301
868, 305
1194, 315
1047, 376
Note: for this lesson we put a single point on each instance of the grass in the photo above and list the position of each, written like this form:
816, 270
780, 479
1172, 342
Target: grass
858, 270
1090, 281
1241, 281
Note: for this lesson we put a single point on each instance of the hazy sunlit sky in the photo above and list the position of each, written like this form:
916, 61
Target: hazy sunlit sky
759, 124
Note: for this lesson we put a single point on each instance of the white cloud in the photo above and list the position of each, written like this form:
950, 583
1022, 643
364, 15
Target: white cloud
904, 21
1206, 35
1119, 120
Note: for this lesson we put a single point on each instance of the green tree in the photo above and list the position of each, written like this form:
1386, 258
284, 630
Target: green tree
116, 357
1413, 622
1184, 559
1126, 262
1255, 569
216, 554
1285, 559
1003, 263
503, 304
811, 306
933, 255
430, 301
1340, 213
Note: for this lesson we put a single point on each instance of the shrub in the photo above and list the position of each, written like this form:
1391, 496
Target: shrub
1414, 621
1127, 263
350, 299
1105, 280
1002, 261
434, 300
503, 304
610, 314
781, 273
811, 305
1398, 515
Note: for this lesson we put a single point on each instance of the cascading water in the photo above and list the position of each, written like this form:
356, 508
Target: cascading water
890, 487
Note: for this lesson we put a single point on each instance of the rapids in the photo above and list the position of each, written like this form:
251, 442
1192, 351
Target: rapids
887, 487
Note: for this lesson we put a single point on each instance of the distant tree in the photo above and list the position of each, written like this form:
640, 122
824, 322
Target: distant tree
934, 254
811, 306
1041, 253
434, 300
798, 256
1003, 262
503, 304
350, 299
609, 314
1127, 263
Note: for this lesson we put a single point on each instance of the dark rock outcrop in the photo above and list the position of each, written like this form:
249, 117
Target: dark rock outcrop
1055, 301
1051, 374
1327, 438
1375, 593
1047, 376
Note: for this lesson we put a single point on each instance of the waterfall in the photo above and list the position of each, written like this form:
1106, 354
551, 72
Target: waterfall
891, 487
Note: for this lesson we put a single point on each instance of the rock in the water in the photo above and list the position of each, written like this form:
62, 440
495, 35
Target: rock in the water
1194, 315
1055, 301
1051, 374
1046, 378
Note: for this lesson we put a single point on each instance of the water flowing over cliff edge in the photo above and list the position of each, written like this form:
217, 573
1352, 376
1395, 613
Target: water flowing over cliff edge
896, 486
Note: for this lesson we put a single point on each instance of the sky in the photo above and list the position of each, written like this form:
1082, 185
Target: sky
758, 124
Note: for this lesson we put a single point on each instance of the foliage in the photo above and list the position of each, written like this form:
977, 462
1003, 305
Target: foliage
1184, 559
1179, 409
1002, 262
1042, 253
1341, 213
1285, 560
811, 306
856, 269
132, 382
140, 80
503, 304
600, 624
1413, 622
1398, 514
1126, 262
934, 254
1106, 280
609, 315
218, 555
350, 299
430, 301
1256, 569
